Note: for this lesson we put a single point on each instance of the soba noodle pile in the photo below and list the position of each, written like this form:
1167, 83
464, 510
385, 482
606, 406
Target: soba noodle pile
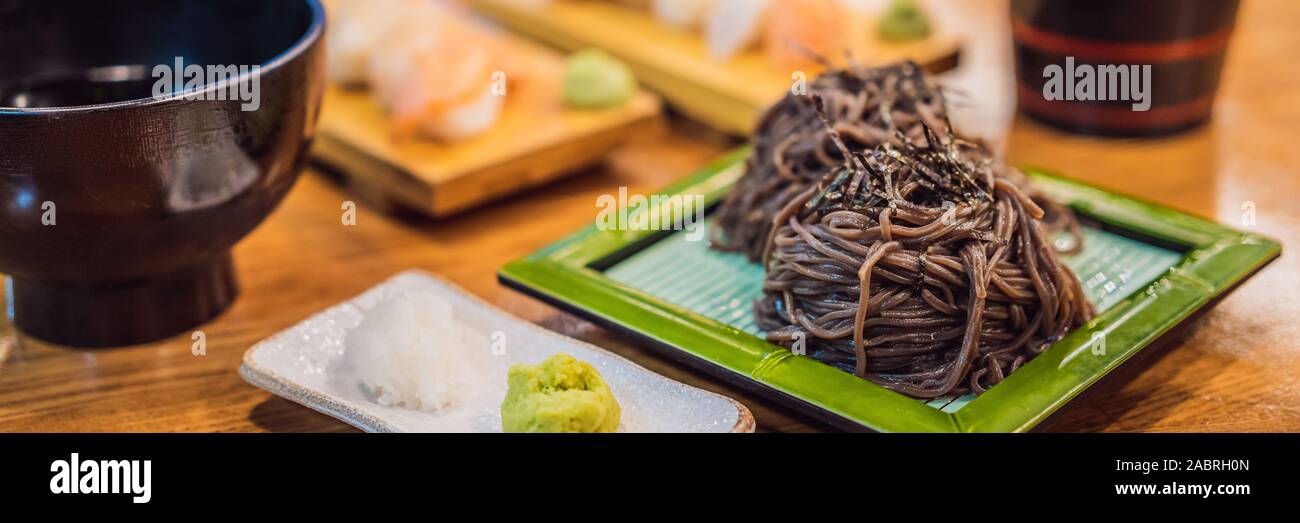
901, 252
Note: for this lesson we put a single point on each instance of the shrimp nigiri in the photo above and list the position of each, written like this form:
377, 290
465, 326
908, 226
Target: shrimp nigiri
431, 69
356, 29
798, 30
443, 92
733, 26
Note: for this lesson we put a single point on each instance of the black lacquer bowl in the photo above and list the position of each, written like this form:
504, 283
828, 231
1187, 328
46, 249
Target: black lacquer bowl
120, 198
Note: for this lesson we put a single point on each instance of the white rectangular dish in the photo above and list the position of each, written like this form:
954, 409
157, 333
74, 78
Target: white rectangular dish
306, 364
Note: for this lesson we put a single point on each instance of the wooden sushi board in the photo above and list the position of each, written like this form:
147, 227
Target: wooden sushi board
536, 139
729, 96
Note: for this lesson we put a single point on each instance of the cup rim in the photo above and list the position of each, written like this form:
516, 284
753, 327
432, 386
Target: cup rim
309, 38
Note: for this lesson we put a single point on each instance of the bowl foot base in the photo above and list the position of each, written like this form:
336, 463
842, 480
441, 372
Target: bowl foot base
124, 313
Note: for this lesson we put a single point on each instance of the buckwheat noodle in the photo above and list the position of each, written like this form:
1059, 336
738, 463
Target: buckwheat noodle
868, 107
902, 253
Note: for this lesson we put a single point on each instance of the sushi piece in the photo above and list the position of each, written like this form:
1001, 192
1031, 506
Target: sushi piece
356, 29
443, 91
733, 26
406, 52
681, 14
466, 120
799, 31
434, 71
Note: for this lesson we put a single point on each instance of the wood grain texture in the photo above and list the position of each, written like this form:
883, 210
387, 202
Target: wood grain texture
535, 140
730, 95
1237, 368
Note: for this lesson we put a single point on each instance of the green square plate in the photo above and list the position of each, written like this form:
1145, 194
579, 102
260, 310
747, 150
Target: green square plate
1146, 268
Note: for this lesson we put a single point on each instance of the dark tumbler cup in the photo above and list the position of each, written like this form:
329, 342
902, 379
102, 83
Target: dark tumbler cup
1120, 67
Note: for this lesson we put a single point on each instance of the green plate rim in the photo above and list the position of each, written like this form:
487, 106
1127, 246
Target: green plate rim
1216, 258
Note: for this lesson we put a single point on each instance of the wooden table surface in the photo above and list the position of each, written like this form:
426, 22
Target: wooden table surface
1237, 368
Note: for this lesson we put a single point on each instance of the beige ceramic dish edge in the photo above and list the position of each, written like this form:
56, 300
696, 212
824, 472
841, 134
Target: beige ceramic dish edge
298, 341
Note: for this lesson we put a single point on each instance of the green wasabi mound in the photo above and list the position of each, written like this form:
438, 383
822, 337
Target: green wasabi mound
904, 21
594, 80
562, 394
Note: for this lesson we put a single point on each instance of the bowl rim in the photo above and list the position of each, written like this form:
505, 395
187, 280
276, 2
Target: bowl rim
309, 38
